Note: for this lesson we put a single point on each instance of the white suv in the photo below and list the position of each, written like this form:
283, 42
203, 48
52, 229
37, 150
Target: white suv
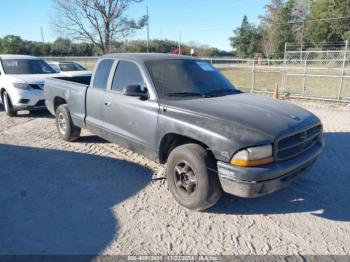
22, 82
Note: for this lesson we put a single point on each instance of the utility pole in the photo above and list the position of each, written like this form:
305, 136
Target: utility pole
42, 34
147, 29
302, 40
179, 42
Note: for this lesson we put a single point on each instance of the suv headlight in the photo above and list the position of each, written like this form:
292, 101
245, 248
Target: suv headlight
253, 156
22, 86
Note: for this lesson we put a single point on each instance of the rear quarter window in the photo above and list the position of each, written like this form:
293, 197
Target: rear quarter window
102, 74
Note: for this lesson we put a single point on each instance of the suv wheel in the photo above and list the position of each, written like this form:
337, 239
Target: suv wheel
192, 178
6, 101
65, 126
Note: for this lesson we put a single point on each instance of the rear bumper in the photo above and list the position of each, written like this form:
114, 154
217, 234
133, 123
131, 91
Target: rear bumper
258, 181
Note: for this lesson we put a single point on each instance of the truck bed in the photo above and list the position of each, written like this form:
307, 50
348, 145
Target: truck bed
72, 90
85, 80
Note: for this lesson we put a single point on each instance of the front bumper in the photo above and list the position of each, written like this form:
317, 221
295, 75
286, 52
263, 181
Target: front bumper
30, 100
253, 182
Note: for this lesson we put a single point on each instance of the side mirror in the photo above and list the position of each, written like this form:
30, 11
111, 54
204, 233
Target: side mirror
136, 90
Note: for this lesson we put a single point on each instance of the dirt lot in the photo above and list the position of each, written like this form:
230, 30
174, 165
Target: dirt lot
92, 197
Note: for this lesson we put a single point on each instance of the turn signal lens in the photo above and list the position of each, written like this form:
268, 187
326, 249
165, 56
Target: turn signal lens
252, 162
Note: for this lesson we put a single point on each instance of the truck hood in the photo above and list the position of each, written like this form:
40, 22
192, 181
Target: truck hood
31, 79
241, 113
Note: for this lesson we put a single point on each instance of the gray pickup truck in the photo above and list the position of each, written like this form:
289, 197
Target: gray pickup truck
181, 111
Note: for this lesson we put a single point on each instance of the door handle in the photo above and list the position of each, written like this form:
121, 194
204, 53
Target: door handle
108, 103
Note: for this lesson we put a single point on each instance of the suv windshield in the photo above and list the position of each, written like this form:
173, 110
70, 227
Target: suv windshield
188, 78
71, 67
26, 67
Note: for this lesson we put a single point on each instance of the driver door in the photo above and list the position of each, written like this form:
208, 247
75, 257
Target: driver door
130, 121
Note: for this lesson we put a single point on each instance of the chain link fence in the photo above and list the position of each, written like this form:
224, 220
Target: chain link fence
317, 74
314, 74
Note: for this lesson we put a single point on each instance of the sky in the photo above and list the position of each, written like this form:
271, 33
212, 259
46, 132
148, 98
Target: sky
207, 22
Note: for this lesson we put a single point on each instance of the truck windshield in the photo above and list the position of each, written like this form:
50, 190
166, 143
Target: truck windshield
188, 78
26, 67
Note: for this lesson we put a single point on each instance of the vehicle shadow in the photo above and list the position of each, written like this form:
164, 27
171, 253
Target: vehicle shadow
59, 202
44, 113
322, 191
26, 114
91, 139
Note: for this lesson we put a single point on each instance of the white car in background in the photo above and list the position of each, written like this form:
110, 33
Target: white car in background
69, 69
22, 82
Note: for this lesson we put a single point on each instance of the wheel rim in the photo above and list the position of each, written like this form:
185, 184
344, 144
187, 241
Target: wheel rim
62, 123
185, 178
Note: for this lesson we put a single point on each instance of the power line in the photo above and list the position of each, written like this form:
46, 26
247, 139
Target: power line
226, 28
317, 20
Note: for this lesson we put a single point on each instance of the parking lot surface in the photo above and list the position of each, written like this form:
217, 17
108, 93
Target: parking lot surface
94, 197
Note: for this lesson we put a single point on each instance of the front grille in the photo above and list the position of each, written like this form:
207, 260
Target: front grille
297, 143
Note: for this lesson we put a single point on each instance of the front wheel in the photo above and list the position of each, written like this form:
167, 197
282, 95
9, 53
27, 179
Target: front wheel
65, 126
192, 178
10, 111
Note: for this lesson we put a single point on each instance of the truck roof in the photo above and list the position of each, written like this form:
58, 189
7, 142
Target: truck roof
143, 57
17, 57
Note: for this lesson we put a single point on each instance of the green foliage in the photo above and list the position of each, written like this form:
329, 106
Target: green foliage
60, 47
65, 47
276, 28
294, 22
246, 39
324, 31
12, 45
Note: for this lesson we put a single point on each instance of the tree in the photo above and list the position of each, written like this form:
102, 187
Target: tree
301, 10
325, 30
95, 21
12, 44
245, 40
61, 47
276, 28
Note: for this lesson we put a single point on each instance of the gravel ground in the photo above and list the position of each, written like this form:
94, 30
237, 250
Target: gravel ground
93, 197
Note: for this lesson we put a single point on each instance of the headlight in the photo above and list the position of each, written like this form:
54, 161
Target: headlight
253, 156
22, 86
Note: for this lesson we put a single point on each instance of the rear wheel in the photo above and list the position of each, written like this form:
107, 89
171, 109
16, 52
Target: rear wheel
10, 111
65, 126
192, 178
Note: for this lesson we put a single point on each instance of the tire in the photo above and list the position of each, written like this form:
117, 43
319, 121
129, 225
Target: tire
192, 178
65, 126
6, 101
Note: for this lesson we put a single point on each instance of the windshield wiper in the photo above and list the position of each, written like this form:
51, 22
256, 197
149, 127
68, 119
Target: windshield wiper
221, 91
185, 94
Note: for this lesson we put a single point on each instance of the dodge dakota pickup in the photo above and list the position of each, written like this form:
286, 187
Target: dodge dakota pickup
182, 112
